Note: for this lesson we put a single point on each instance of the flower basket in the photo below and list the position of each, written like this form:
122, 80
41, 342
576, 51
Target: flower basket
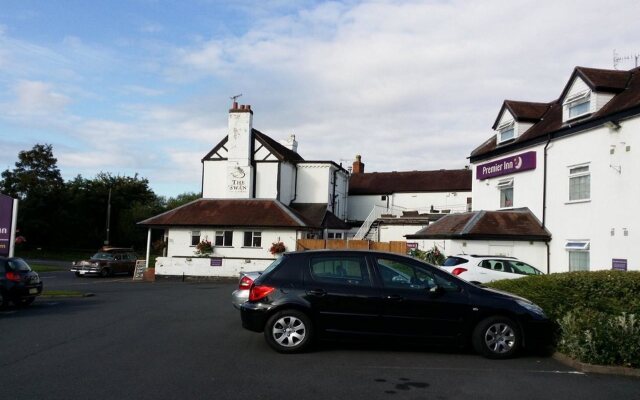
204, 248
277, 248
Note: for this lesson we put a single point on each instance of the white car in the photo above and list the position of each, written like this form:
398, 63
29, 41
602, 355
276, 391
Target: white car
483, 269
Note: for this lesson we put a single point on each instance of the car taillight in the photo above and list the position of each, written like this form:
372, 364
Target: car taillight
245, 283
13, 276
458, 271
258, 292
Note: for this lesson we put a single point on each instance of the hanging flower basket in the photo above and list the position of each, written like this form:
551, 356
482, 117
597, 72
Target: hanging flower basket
204, 248
277, 248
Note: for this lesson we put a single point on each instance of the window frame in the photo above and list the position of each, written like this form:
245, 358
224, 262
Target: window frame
199, 236
224, 235
254, 235
576, 100
509, 126
503, 186
575, 247
576, 175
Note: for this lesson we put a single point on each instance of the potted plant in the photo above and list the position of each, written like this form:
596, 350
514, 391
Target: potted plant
277, 248
204, 248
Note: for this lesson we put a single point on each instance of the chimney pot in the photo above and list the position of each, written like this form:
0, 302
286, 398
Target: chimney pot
242, 106
248, 106
235, 105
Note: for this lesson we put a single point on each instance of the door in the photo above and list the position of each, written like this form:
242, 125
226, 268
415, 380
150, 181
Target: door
340, 291
419, 300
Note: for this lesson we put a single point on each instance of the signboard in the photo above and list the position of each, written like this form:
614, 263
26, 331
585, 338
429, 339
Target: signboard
619, 264
6, 224
216, 262
505, 166
138, 273
412, 245
237, 179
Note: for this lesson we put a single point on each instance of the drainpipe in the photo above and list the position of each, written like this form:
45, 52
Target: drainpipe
295, 186
333, 195
544, 202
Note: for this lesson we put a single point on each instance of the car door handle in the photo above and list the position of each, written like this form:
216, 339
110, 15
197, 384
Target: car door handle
317, 292
394, 297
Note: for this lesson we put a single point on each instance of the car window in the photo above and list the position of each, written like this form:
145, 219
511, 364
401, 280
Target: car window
341, 270
18, 265
452, 261
523, 268
400, 274
496, 265
102, 256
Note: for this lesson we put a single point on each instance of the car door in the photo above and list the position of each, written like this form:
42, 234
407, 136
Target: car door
419, 300
497, 269
339, 288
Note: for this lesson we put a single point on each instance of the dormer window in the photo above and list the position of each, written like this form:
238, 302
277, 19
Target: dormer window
578, 105
506, 132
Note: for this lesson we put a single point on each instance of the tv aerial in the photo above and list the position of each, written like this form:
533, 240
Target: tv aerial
617, 59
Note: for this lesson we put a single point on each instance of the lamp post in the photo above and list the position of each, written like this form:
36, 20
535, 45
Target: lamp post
106, 242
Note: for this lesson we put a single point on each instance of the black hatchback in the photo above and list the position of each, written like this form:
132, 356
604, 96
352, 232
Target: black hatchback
18, 283
320, 294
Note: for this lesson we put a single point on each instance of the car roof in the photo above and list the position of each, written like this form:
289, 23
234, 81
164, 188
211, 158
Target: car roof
108, 249
484, 256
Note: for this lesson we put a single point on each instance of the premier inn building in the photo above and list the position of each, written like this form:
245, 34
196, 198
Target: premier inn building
569, 163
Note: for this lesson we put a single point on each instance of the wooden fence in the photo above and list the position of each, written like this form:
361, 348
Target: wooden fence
399, 247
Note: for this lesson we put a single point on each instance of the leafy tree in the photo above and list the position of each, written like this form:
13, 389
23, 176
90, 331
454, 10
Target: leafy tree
36, 173
181, 199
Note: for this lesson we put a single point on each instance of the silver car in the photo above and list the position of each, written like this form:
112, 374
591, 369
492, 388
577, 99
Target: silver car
241, 294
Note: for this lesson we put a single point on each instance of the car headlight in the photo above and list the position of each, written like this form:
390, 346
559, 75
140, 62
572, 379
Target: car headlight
531, 307
95, 264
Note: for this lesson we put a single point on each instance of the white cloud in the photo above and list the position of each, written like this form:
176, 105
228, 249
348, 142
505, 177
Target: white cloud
33, 98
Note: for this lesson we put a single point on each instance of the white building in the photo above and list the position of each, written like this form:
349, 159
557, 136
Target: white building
386, 206
255, 192
571, 163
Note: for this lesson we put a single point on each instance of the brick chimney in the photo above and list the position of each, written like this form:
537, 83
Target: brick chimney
290, 143
358, 166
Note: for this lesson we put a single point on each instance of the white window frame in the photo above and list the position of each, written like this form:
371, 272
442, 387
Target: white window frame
334, 235
503, 185
254, 235
575, 100
579, 174
192, 234
578, 246
223, 235
506, 127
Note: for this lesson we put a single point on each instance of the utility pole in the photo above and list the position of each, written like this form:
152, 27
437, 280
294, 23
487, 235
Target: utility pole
106, 242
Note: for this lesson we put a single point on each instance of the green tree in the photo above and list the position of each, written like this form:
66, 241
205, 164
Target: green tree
181, 199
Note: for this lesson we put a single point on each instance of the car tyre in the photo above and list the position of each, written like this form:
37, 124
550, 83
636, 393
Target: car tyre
25, 302
104, 272
289, 331
78, 274
497, 337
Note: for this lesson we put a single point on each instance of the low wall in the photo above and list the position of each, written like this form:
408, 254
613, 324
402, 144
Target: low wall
201, 267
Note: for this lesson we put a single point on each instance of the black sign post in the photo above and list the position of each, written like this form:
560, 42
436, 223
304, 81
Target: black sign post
8, 220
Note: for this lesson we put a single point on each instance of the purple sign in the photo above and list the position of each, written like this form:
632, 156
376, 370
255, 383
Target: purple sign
619, 264
505, 166
216, 262
412, 245
6, 217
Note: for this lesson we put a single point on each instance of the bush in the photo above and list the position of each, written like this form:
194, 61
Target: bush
597, 312
433, 256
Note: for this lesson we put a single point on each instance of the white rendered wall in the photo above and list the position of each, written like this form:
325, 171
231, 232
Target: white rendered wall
341, 193
313, 183
287, 182
266, 180
214, 183
388, 233
201, 267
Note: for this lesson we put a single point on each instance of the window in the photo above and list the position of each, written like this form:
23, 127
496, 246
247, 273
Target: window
506, 193
340, 270
400, 274
506, 131
523, 269
253, 239
579, 183
496, 265
195, 238
578, 254
578, 105
224, 238
334, 235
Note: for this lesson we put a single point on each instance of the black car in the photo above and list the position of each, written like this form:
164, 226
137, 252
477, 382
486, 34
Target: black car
18, 283
319, 294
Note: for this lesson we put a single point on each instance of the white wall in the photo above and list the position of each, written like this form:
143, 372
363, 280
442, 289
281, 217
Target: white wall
169, 266
313, 183
287, 182
266, 180
388, 233
214, 179
341, 193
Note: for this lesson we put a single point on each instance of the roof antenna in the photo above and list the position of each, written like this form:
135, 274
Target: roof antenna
618, 58
235, 100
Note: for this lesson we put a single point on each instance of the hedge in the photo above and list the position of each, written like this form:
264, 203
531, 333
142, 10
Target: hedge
598, 312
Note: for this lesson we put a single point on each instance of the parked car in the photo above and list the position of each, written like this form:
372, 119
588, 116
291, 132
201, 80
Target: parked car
304, 296
241, 294
18, 283
106, 262
483, 269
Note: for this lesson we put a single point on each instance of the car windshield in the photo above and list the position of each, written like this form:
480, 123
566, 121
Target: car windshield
273, 265
102, 256
18, 265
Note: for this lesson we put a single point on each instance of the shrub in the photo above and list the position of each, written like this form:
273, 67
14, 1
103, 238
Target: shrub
277, 248
432, 256
597, 312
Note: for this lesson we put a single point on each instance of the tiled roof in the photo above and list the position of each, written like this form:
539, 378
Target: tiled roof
524, 111
452, 180
226, 212
626, 85
317, 215
517, 224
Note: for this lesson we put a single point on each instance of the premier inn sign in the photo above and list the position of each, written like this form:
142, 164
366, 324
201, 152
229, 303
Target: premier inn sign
506, 166
6, 224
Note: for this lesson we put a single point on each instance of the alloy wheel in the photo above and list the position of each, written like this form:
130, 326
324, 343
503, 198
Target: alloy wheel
289, 331
500, 338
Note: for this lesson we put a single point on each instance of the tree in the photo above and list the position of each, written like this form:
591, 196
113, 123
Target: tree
35, 173
181, 199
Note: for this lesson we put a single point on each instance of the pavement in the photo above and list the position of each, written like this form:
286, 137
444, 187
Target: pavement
168, 340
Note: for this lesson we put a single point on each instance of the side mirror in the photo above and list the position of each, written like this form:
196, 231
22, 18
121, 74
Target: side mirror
436, 291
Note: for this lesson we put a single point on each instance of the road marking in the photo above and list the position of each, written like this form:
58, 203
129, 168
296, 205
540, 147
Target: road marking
558, 372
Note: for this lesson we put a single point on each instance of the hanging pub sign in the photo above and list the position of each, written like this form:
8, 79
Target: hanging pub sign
6, 224
505, 166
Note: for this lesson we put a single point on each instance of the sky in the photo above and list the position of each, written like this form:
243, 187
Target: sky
143, 86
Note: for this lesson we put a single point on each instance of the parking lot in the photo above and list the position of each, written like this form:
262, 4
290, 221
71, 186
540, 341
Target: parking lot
168, 340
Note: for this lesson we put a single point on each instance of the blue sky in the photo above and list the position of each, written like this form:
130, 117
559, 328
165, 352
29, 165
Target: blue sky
143, 86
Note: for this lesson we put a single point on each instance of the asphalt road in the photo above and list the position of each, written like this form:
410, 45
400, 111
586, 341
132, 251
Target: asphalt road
170, 340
